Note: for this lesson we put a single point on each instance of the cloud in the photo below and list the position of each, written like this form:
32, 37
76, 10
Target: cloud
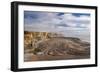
74, 21
56, 20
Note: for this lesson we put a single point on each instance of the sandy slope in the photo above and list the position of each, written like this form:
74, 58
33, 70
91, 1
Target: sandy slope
59, 49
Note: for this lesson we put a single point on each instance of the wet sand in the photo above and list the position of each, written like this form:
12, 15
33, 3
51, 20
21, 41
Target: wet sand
32, 57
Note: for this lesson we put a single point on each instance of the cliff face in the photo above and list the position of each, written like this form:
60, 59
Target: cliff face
30, 38
53, 46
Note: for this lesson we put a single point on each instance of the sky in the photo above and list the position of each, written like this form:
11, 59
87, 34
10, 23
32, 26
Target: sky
69, 24
57, 19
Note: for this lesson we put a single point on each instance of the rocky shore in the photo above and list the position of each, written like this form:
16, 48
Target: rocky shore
57, 48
